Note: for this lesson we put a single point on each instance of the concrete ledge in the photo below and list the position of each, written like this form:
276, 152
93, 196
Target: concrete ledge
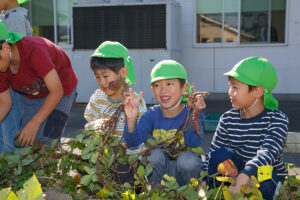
292, 143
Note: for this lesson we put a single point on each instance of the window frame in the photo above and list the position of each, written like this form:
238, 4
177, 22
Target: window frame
239, 44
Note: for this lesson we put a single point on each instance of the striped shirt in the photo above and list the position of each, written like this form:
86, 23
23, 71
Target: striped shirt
257, 141
101, 107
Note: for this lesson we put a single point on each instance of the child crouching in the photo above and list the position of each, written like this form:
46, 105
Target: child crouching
161, 122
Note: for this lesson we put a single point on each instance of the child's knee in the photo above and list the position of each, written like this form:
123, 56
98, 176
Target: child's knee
157, 156
268, 188
55, 124
188, 161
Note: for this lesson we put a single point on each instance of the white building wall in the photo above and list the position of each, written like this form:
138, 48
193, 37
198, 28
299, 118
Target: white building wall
143, 59
206, 65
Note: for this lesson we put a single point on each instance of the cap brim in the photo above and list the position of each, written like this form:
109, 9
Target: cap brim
160, 78
101, 55
240, 78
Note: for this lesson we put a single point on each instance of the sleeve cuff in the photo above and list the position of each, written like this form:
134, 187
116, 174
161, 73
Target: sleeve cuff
250, 171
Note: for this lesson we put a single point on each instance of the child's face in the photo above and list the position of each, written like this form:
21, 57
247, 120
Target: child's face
103, 78
168, 92
239, 94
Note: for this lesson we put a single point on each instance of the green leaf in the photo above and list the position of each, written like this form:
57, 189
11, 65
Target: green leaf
90, 171
149, 169
86, 156
12, 160
4, 193
88, 149
19, 169
79, 137
198, 151
126, 185
26, 161
110, 160
182, 188
54, 143
23, 151
137, 182
21, 194
289, 165
141, 171
94, 157
292, 180
3, 168
85, 180
32, 190
115, 142
150, 142
132, 158
189, 194
94, 178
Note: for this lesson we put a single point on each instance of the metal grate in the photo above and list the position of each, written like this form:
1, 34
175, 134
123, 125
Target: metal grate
136, 27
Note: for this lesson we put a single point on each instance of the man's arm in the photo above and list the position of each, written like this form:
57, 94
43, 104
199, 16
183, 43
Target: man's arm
5, 104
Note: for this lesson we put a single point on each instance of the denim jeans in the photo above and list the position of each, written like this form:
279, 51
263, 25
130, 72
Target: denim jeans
267, 188
24, 109
11, 124
187, 166
54, 126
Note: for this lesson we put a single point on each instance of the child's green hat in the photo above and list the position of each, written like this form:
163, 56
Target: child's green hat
169, 69
9, 37
257, 71
109, 49
22, 1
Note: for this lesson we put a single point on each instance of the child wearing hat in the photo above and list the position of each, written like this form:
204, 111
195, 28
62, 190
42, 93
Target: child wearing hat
252, 134
113, 70
15, 18
168, 84
43, 75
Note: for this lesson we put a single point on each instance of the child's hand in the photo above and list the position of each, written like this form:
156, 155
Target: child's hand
131, 106
242, 179
200, 103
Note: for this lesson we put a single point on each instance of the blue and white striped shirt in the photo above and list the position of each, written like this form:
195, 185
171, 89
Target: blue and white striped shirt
257, 141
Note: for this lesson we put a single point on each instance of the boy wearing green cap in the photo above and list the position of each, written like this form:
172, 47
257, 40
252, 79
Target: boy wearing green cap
15, 18
253, 133
43, 75
113, 70
169, 83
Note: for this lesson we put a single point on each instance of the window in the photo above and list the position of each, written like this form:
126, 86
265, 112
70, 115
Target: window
135, 26
42, 18
240, 21
51, 19
64, 20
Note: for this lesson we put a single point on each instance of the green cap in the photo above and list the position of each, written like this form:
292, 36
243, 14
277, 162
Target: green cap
257, 71
109, 49
169, 69
22, 1
9, 37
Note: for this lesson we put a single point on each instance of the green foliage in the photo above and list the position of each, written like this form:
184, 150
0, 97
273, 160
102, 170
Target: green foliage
31, 191
86, 164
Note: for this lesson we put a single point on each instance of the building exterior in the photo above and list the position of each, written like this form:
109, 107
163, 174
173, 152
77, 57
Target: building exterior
207, 37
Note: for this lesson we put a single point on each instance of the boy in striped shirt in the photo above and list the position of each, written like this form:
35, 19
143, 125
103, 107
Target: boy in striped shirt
253, 133
113, 70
